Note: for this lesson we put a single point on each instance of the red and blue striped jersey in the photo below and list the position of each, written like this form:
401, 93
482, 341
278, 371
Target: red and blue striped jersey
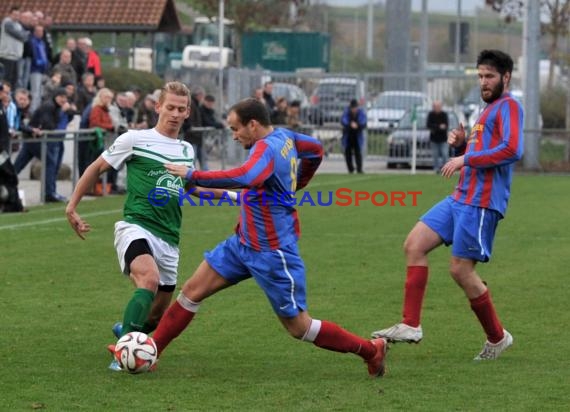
279, 164
494, 144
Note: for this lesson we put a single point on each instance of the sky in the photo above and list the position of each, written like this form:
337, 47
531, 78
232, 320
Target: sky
467, 6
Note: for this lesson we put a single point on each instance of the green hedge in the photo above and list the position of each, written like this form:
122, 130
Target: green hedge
553, 108
120, 80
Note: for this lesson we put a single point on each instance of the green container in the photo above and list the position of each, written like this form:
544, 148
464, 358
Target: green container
285, 51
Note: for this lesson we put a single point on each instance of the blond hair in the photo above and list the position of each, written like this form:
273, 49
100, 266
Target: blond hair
176, 88
104, 91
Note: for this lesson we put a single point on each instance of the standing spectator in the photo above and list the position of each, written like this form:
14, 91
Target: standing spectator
293, 120
55, 114
92, 62
9, 197
100, 117
12, 38
268, 96
469, 217
437, 122
9, 107
65, 67
86, 91
353, 123
40, 65
208, 113
146, 114
258, 95
28, 21
78, 59
46, 21
195, 137
279, 115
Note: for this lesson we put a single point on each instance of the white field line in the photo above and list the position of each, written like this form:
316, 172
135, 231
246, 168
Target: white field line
57, 219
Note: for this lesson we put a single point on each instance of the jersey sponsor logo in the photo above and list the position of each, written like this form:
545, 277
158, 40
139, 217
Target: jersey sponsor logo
171, 183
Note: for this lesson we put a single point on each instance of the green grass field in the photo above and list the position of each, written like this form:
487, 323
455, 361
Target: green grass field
61, 295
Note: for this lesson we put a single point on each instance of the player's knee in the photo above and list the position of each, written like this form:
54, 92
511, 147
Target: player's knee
412, 246
146, 279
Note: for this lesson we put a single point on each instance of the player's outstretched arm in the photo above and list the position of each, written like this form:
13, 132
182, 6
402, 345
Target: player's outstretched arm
85, 183
310, 152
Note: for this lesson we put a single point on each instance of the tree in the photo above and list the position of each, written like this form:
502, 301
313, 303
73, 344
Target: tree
555, 17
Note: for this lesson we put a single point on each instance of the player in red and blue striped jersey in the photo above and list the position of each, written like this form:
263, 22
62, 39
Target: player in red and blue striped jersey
468, 218
264, 247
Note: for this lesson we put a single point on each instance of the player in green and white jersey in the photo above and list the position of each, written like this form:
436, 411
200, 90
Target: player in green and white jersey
147, 238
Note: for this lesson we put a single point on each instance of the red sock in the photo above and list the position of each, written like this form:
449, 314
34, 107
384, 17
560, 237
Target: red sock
333, 337
173, 322
414, 290
485, 311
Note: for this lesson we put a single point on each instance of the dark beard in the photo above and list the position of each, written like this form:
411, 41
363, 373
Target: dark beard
496, 93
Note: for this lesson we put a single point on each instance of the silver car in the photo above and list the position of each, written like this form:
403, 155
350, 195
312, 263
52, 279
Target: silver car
400, 140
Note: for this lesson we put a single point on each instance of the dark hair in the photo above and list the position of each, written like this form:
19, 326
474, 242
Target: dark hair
295, 103
210, 98
497, 59
251, 109
353, 103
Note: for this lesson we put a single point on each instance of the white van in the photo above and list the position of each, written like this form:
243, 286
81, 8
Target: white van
206, 57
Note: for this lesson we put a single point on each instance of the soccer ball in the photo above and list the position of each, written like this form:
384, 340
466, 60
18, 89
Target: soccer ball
136, 352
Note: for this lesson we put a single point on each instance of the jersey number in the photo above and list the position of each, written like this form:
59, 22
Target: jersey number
293, 174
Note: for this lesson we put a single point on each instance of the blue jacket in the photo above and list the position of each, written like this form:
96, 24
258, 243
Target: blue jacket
40, 62
345, 121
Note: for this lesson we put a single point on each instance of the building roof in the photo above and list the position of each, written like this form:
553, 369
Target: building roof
103, 15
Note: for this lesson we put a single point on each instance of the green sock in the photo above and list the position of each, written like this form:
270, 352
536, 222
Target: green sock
137, 311
148, 328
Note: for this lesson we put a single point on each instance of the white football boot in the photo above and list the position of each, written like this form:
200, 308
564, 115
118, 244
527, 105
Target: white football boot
493, 350
400, 332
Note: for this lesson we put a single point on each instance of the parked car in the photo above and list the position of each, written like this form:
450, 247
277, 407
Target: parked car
332, 95
290, 92
386, 110
400, 141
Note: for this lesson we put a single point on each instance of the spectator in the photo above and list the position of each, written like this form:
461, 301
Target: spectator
146, 114
208, 113
64, 66
353, 124
86, 91
28, 21
268, 96
293, 120
55, 114
258, 95
279, 115
50, 85
78, 59
40, 65
93, 62
12, 44
100, 82
46, 21
438, 123
9, 197
195, 138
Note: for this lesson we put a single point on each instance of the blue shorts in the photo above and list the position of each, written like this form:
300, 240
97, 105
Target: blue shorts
280, 273
470, 229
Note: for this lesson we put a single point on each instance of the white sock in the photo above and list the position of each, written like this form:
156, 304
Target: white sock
313, 330
188, 304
